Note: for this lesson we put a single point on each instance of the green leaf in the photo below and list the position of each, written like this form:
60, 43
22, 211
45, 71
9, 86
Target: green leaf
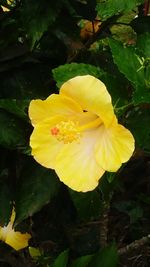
117, 87
82, 261
37, 16
143, 44
88, 204
26, 82
37, 186
13, 131
138, 122
17, 107
135, 214
141, 94
68, 71
129, 63
62, 259
109, 8
107, 257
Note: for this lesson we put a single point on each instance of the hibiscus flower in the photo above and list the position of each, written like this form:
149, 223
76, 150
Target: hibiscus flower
77, 134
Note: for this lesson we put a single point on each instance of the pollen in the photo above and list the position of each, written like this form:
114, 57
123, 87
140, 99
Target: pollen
66, 131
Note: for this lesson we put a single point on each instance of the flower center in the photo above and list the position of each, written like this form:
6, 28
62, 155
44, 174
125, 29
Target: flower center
69, 131
66, 131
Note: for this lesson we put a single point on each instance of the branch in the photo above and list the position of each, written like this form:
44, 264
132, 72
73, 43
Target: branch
134, 245
101, 33
104, 225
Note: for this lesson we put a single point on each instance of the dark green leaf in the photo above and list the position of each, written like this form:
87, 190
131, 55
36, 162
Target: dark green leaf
82, 261
62, 259
141, 24
127, 61
139, 123
130, 64
13, 133
107, 257
135, 214
26, 82
117, 87
37, 16
37, 186
143, 44
88, 204
16, 107
142, 94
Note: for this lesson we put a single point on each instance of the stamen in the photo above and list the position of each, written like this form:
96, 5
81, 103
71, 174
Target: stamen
92, 124
66, 131
69, 131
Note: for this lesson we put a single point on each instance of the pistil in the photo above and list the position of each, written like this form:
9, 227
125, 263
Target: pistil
69, 131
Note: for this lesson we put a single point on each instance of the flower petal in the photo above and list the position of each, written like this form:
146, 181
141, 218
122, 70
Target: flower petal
40, 110
17, 240
91, 94
76, 165
44, 146
13, 216
114, 147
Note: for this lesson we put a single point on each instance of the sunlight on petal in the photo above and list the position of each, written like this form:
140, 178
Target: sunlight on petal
40, 110
76, 165
17, 240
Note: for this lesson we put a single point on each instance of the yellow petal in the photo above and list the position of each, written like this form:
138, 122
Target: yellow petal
114, 147
76, 165
44, 146
17, 240
2, 235
5, 9
91, 94
13, 216
40, 110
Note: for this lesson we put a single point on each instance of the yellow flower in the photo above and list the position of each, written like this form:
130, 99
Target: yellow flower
76, 133
12, 238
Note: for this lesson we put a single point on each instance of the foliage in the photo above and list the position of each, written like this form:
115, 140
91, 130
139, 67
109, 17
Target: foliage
41, 47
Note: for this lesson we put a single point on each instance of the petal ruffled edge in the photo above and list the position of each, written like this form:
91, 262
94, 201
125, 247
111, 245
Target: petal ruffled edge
91, 94
114, 147
40, 110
